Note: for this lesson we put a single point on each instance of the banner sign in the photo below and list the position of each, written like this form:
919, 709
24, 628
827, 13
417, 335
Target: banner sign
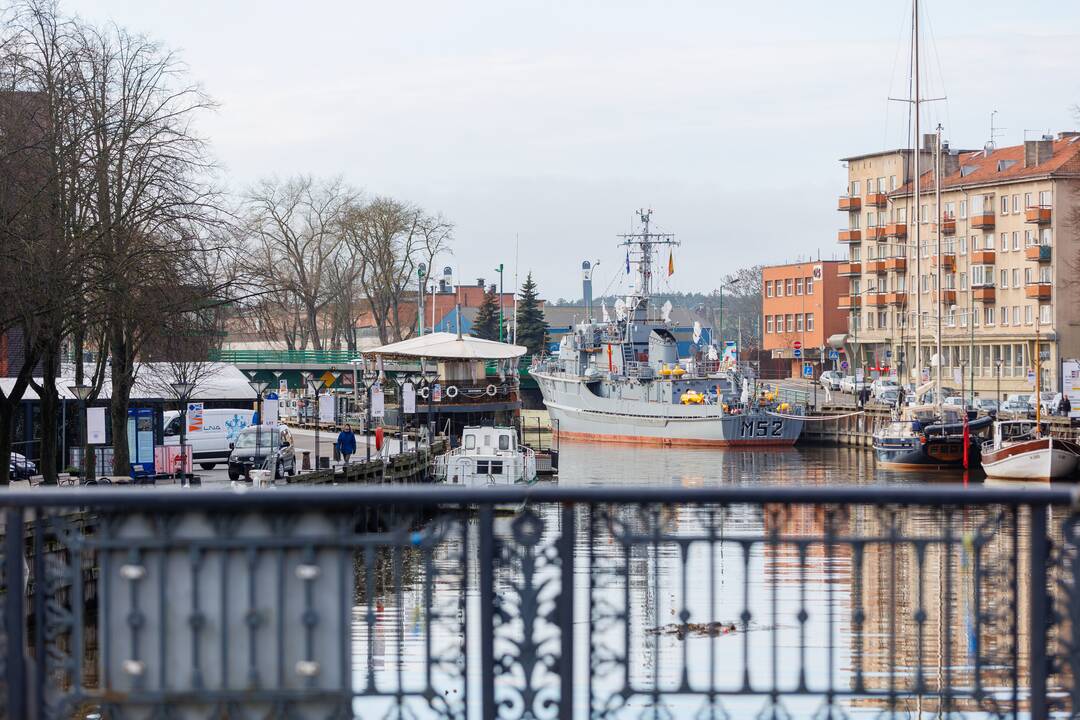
408, 399
378, 402
194, 417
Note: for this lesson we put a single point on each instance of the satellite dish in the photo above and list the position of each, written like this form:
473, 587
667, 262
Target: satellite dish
665, 311
697, 332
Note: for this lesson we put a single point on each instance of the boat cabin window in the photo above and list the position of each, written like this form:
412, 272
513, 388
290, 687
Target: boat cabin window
504, 442
496, 467
482, 467
470, 442
1016, 430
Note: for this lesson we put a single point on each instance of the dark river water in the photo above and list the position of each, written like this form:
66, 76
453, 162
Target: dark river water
672, 602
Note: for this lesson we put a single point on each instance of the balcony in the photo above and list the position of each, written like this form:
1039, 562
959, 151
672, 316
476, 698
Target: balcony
982, 222
947, 261
948, 297
848, 302
849, 269
896, 230
983, 257
849, 203
948, 226
850, 236
983, 293
1038, 253
1038, 291
875, 266
899, 263
877, 199
877, 299
875, 233
1039, 214
896, 298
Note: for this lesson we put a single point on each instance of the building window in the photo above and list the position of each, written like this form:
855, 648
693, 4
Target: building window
791, 323
1046, 314
1027, 315
798, 286
1027, 199
790, 287
1004, 204
1016, 203
799, 322
1004, 279
1003, 313
1028, 276
1016, 239
869, 320
1004, 242
768, 323
988, 316
982, 275
1044, 198
922, 213
900, 322
963, 209
988, 241
963, 281
1016, 314
1029, 238
779, 288
1045, 237
854, 187
809, 286
809, 322
1016, 277
883, 319
768, 288
901, 215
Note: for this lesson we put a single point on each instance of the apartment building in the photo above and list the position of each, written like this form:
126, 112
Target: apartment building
1005, 267
800, 309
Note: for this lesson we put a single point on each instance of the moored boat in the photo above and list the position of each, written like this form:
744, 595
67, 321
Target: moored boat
487, 456
1019, 451
930, 437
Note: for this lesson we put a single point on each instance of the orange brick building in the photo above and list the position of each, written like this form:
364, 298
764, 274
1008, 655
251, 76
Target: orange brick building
800, 304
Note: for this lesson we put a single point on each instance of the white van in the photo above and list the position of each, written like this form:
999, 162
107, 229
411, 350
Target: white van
211, 444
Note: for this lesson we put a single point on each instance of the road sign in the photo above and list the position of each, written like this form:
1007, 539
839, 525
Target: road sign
888, 353
834, 355
797, 345
798, 353
808, 370
328, 378
844, 365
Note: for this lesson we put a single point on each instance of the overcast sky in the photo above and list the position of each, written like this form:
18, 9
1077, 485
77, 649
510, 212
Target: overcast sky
554, 120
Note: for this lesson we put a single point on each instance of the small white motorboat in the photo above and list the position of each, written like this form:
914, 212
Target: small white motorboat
1019, 451
487, 456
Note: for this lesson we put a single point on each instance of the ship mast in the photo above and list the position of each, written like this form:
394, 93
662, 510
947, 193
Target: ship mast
939, 276
917, 365
642, 245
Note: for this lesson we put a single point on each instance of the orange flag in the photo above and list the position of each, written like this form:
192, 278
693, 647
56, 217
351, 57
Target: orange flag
670, 263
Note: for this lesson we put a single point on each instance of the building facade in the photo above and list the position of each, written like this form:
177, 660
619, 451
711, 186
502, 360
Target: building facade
1002, 258
800, 311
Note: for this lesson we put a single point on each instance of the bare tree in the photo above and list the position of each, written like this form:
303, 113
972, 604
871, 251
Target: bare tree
294, 229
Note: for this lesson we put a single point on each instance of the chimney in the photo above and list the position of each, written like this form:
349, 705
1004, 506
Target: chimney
950, 162
1037, 152
480, 282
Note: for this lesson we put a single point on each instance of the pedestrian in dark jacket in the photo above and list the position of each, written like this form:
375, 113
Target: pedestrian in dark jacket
1065, 407
346, 442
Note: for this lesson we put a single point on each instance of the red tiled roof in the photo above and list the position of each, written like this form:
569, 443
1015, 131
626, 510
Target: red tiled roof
979, 169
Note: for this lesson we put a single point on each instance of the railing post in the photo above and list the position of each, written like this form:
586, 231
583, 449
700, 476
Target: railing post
566, 612
1037, 663
14, 613
487, 612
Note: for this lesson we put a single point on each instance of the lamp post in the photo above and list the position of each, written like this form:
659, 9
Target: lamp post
183, 393
997, 365
315, 384
83, 391
421, 274
259, 387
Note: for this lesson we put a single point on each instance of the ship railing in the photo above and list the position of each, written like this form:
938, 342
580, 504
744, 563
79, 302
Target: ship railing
431, 601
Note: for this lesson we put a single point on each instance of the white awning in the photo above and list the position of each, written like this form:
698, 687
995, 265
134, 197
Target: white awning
448, 346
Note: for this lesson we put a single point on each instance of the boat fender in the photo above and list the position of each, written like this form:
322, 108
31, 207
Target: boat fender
452, 391
490, 390
423, 392
378, 438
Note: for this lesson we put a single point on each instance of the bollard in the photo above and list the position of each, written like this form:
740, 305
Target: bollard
337, 453
305, 462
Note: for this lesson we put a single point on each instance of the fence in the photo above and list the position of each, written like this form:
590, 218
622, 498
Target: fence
550, 602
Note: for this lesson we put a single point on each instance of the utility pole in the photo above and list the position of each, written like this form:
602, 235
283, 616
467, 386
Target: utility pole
500, 271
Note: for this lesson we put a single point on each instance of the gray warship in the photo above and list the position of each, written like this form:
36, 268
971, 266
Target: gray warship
621, 380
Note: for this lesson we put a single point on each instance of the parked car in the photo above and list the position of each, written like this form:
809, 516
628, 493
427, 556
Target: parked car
1018, 405
21, 467
830, 379
1049, 402
883, 384
259, 447
954, 401
987, 405
211, 443
849, 385
887, 397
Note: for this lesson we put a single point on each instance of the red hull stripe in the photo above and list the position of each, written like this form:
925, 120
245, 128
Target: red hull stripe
668, 442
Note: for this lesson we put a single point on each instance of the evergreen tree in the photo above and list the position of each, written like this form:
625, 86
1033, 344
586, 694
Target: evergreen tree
486, 324
531, 327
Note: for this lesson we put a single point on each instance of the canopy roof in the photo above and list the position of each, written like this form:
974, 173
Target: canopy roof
448, 346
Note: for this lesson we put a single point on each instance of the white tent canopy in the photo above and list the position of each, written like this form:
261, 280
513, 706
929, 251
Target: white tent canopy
448, 346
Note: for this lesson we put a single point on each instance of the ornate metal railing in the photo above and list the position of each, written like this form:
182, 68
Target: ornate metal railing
544, 602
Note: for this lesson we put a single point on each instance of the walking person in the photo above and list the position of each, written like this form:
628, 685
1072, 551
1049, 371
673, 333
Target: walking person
1064, 407
346, 442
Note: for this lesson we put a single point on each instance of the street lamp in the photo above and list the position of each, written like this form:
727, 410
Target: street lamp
82, 391
259, 387
421, 274
500, 271
183, 392
315, 384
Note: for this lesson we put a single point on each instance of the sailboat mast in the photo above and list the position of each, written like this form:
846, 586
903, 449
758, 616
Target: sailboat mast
917, 365
646, 258
940, 277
